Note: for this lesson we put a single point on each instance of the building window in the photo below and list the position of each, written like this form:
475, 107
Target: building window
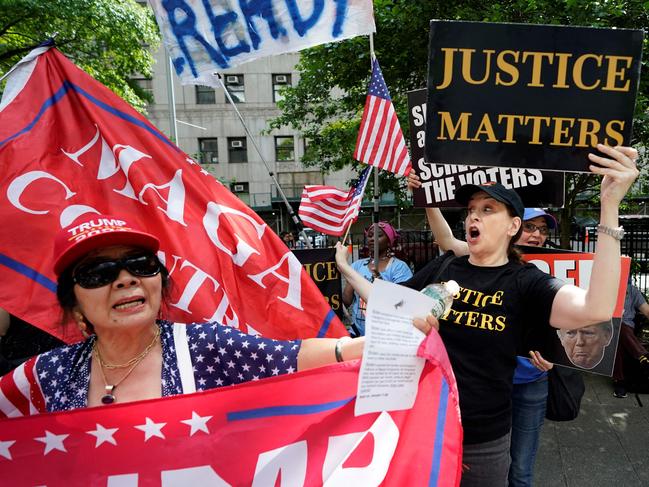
241, 190
234, 85
209, 151
239, 187
293, 183
284, 148
237, 150
205, 95
279, 82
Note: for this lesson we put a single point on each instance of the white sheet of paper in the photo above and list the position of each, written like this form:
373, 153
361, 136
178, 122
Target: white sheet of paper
390, 369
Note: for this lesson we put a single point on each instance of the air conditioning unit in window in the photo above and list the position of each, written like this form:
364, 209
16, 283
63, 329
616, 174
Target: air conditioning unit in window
281, 78
232, 78
236, 143
239, 188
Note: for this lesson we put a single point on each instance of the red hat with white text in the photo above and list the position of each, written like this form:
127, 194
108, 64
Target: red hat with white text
93, 231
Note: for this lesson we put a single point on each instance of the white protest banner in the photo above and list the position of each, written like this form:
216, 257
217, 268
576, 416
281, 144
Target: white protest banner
204, 36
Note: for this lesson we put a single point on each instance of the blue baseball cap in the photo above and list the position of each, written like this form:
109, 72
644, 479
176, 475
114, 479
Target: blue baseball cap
536, 212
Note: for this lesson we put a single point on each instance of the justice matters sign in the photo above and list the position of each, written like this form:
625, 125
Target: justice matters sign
529, 96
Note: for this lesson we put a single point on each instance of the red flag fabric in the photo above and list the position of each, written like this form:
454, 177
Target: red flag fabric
380, 140
299, 428
69, 146
331, 210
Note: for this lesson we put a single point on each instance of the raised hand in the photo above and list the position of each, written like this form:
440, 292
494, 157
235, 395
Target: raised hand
342, 254
619, 171
413, 180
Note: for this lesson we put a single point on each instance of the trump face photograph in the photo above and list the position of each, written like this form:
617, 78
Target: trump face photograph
586, 346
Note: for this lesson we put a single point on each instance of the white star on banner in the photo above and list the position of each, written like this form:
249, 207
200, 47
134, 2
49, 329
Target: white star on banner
103, 435
4, 448
52, 442
197, 423
151, 429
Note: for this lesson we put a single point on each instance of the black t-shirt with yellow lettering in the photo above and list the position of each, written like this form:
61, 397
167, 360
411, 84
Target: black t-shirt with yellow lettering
483, 332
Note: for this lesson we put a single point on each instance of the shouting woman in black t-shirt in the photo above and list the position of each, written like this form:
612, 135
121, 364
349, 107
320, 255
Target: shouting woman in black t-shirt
500, 296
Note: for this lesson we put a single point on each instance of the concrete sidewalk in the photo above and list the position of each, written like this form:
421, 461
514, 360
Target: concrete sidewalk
607, 445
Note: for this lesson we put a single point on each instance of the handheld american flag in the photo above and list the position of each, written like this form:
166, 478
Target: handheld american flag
331, 210
380, 140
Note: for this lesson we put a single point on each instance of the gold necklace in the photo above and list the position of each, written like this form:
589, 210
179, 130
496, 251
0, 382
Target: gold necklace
135, 359
109, 397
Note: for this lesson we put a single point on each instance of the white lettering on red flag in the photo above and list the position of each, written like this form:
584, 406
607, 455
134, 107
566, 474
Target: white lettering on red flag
299, 428
69, 146
380, 140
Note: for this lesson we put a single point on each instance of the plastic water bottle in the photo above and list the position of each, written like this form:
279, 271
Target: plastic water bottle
443, 294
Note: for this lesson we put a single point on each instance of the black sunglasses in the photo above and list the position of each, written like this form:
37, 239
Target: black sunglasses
99, 273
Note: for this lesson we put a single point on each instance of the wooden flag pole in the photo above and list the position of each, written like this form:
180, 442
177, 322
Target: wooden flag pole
347, 233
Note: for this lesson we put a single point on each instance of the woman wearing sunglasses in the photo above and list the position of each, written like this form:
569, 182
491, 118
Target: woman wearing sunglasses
111, 283
501, 298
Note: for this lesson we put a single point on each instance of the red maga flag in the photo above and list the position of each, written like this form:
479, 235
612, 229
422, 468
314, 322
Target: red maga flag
69, 146
380, 140
331, 210
297, 429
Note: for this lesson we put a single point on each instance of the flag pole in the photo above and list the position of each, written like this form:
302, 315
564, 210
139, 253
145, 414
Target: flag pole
375, 213
171, 96
349, 227
296, 220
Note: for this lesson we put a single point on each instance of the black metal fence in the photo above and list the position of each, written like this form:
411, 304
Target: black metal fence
635, 244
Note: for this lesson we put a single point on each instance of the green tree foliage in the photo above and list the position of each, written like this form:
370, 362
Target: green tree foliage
109, 39
327, 103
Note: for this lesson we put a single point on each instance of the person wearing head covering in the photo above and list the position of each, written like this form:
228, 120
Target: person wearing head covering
112, 284
501, 298
390, 269
530, 384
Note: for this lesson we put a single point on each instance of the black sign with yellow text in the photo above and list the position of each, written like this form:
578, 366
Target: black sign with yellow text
320, 264
528, 96
440, 181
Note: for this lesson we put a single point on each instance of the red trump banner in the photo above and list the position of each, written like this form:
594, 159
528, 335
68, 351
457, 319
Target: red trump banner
297, 430
69, 147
